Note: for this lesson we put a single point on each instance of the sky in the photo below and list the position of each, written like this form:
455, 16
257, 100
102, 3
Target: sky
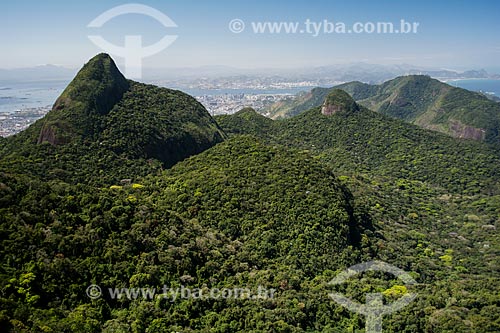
451, 34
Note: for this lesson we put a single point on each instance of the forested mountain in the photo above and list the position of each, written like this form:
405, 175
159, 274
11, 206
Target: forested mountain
103, 122
355, 138
126, 185
416, 99
434, 200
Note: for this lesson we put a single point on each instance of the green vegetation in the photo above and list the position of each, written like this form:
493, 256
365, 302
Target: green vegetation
416, 99
155, 193
217, 218
362, 141
433, 201
102, 123
246, 121
303, 102
78, 112
338, 101
365, 141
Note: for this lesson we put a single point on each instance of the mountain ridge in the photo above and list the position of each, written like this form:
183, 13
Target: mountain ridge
106, 116
96, 88
153, 199
417, 99
366, 141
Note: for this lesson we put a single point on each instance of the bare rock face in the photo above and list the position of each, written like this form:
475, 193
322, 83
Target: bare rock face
462, 131
338, 101
53, 133
329, 109
47, 134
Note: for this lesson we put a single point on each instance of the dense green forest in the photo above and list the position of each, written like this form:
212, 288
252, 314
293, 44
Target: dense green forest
416, 99
124, 184
434, 202
103, 122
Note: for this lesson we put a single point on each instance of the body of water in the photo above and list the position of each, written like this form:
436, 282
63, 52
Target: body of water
33, 94
16, 96
483, 85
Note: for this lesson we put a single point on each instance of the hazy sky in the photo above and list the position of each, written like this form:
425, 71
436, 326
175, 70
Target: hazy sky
451, 34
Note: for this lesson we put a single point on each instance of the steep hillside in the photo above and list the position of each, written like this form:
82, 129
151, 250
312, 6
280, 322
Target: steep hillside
303, 101
265, 219
416, 99
78, 112
357, 139
306, 101
103, 124
433, 199
435, 105
246, 121
241, 214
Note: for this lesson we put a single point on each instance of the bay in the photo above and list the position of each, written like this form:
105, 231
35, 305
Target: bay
487, 86
22, 95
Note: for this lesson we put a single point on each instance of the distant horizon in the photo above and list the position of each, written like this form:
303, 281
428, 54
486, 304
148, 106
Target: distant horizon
449, 35
490, 70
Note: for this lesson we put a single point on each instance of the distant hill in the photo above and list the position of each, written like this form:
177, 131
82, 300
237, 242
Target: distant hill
416, 99
352, 137
37, 73
246, 121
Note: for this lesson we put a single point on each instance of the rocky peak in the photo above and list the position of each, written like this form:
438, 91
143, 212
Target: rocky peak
338, 101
